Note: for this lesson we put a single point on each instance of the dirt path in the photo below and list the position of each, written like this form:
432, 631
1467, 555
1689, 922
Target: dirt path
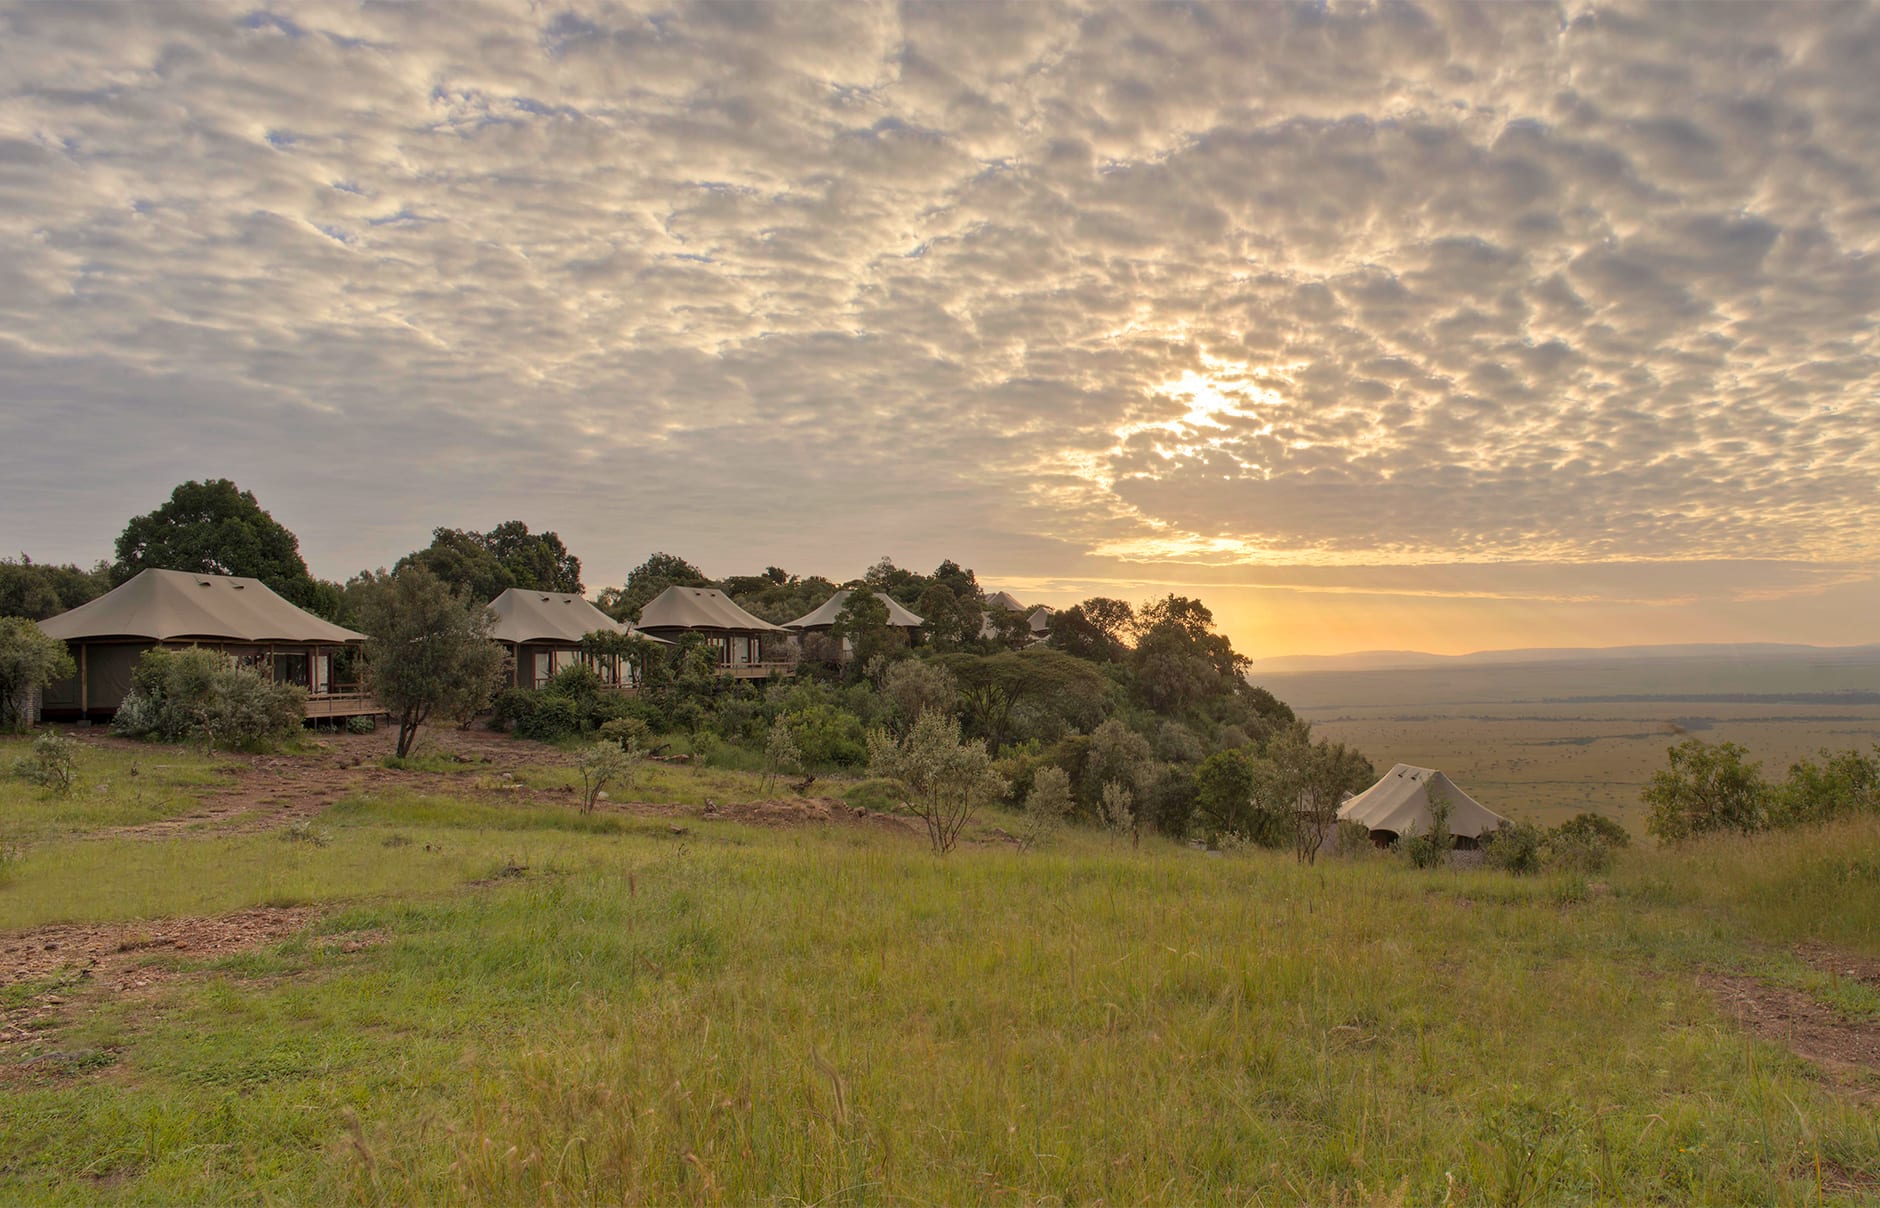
271, 792
1844, 1048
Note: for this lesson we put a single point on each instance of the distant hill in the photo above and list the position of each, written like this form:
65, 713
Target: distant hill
1743, 672
1396, 660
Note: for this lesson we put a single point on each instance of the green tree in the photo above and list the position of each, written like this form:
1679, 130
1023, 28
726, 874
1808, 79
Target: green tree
481, 566
427, 654
216, 528
1098, 629
37, 590
913, 686
945, 780
647, 580
863, 625
951, 620
1706, 788
1117, 755
1046, 806
29, 661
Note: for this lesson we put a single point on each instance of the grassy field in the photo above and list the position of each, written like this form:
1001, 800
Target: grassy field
501, 1000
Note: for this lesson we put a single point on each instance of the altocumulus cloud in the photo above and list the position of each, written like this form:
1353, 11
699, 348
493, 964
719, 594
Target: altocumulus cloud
1072, 287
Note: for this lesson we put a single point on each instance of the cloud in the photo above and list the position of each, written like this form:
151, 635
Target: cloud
1471, 284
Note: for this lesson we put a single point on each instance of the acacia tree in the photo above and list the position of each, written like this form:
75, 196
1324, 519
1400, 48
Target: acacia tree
427, 654
863, 624
29, 660
946, 780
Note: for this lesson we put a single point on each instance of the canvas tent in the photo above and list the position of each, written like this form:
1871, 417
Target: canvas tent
1004, 601
1040, 620
543, 630
746, 645
182, 608
825, 616
1399, 804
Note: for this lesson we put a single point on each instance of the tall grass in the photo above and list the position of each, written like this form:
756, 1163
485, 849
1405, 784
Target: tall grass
737, 1015
115, 788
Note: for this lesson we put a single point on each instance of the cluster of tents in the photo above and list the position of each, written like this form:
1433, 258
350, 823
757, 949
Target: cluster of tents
544, 632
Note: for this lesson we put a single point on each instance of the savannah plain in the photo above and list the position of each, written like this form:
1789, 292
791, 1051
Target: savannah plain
1543, 741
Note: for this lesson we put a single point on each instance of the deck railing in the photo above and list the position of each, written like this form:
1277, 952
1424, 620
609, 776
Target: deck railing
344, 700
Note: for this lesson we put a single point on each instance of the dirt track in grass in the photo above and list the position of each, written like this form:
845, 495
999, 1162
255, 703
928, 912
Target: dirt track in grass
1845, 1048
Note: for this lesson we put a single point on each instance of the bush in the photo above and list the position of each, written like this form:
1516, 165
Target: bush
178, 694
827, 736
1513, 847
1047, 804
29, 661
551, 718
1843, 783
1583, 844
1431, 848
53, 765
361, 724
1706, 789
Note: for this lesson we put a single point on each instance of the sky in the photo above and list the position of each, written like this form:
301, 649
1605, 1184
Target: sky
1402, 326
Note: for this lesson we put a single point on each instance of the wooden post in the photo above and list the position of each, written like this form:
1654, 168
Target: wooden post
84, 681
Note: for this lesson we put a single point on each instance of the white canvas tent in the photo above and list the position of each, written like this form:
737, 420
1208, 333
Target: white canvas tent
186, 608
825, 616
543, 631
746, 645
1399, 804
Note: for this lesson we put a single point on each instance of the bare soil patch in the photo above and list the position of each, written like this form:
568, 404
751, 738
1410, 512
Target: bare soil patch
1847, 1049
69, 967
110, 953
272, 792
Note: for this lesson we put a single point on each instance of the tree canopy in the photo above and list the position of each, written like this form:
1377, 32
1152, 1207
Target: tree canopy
648, 579
216, 528
37, 590
426, 653
481, 566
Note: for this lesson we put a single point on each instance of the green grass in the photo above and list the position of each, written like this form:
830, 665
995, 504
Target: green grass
739, 1015
115, 788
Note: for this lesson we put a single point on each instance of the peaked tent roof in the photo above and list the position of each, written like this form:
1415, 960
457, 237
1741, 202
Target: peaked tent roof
165, 605
1400, 803
1005, 600
825, 616
699, 608
1040, 620
547, 616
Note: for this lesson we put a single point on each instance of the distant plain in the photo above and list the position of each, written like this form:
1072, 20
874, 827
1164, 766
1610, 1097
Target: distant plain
1545, 740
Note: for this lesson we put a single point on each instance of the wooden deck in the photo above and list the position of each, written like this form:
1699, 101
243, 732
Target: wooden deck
756, 670
342, 704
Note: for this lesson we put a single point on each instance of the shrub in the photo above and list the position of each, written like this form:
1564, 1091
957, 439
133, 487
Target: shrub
361, 724
1118, 809
1354, 839
550, 718
53, 765
1583, 844
601, 764
178, 694
1845, 782
945, 780
1706, 789
1431, 848
29, 661
629, 733
1047, 804
828, 736
1169, 803
1513, 847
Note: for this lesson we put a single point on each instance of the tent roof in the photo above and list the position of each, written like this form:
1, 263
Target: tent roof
164, 605
1040, 620
825, 616
1004, 600
1400, 803
699, 608
547, 616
